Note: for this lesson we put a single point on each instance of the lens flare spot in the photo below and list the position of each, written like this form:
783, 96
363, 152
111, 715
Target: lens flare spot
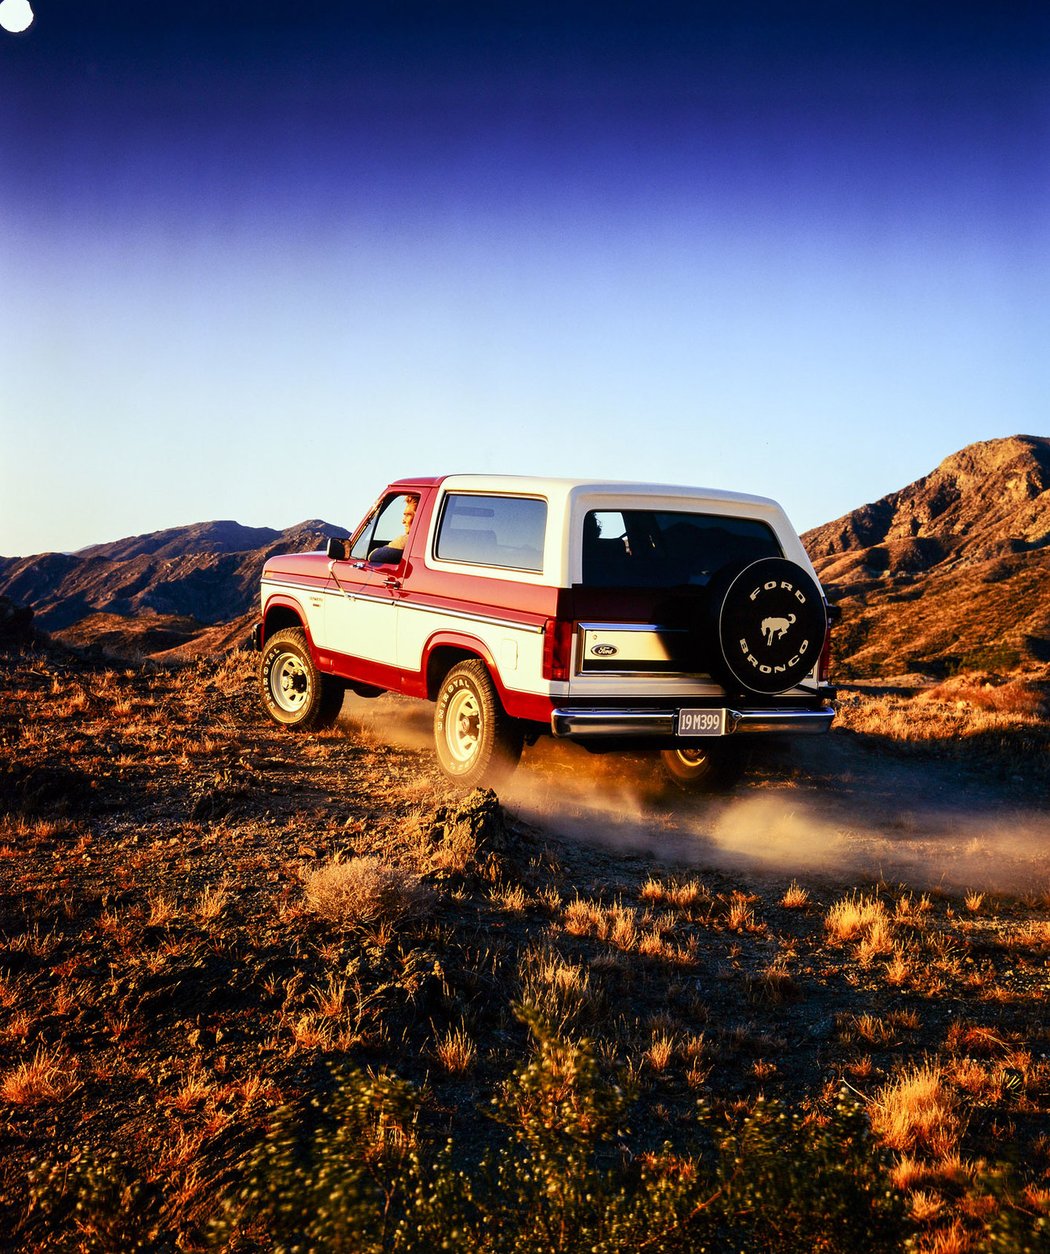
15, 15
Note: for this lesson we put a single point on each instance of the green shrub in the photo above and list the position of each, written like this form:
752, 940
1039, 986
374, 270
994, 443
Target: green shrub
345, 1184
95, 1203
798, 1182
564, 1178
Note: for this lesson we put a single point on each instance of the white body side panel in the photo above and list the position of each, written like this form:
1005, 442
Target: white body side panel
363, 625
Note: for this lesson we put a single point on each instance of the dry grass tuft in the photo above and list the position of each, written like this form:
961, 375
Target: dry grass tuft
916, 1111
513, 898
162, 910
795, 896
212, 902
456, 1051
776, 985
687, 894
560, 990
617, 924
363, 892
877, 941
898, 969
869, 1028
951, 1240
740, 914
45, 1078
925, 1206
983, 692
969, 1038
660, 1052
862, 919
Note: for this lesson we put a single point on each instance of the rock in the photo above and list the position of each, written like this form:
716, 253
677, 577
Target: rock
16, 622
470, 835
36, 789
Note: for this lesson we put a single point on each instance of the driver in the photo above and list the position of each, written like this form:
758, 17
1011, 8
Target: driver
394, 551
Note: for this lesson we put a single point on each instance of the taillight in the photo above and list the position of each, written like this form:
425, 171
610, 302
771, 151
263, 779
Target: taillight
557, 648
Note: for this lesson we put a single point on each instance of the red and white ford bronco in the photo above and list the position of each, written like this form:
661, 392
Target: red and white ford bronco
620, 615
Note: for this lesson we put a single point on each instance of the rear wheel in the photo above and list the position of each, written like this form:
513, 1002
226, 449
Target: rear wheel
477, 742
294, 692
705, 768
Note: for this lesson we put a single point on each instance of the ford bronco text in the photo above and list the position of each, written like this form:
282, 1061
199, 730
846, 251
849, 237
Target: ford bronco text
619, 615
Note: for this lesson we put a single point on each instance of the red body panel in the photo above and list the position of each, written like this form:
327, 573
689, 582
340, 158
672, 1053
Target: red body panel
307, 568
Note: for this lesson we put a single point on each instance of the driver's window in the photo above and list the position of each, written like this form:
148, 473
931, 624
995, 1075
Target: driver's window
383, 528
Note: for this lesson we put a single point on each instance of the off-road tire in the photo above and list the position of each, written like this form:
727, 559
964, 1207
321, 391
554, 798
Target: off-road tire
294, 692
478, 744
712, 768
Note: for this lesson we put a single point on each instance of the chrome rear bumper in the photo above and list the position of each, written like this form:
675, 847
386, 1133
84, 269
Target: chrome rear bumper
660, 724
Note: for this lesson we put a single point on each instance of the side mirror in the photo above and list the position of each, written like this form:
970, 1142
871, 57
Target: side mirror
338, 550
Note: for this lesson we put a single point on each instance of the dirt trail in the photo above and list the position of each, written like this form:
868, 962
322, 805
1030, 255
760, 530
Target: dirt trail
826, 807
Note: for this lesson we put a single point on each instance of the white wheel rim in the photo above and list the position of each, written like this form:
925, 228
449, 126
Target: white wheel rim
463, 726
290, 683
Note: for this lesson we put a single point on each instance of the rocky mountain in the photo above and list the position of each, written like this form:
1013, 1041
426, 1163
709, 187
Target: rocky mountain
211, 537
950, 573
154, 593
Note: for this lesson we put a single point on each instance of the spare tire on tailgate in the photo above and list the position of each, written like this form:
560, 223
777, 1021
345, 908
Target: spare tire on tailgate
766, 623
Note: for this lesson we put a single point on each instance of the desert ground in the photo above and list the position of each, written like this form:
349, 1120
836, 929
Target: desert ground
269, 991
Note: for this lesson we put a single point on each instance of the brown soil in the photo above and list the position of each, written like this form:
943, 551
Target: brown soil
165, 985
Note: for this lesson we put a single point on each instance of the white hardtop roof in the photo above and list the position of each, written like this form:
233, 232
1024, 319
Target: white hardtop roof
562, 490
569, 498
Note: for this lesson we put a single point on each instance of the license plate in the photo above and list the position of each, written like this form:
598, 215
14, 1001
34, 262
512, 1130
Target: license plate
701, 722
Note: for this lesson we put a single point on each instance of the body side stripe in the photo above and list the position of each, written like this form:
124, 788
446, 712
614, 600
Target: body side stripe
533, 628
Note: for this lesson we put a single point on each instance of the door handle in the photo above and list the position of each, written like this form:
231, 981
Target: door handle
392, 581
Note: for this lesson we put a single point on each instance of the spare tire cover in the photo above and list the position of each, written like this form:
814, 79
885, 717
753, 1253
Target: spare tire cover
771, 625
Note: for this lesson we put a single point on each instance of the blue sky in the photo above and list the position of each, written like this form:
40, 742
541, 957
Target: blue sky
256, 260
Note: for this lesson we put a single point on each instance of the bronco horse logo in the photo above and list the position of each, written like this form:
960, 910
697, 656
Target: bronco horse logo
774, 628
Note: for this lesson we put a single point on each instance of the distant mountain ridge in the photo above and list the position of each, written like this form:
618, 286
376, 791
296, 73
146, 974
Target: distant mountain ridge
951, 572
167, 586
211, 537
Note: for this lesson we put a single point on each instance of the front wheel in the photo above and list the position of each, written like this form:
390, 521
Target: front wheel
477, 742
714, 767
294, 692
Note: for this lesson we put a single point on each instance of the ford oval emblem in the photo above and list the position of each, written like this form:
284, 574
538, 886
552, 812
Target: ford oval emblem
603, 650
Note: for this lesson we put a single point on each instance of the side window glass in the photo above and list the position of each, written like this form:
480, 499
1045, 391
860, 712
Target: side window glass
606, 547
504, 531
386, 530
363, 543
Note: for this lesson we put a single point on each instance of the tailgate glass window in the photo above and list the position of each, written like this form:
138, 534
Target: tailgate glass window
506, 531
667, 549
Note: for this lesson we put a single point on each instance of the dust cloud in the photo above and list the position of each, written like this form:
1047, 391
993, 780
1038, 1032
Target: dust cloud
823, 809
390, 720
914, 827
